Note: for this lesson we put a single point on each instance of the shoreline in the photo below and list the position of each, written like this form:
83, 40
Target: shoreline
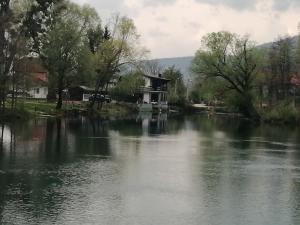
33, 109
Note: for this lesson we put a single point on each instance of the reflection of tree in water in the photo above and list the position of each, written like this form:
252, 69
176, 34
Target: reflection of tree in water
24, 180
127, 127
91, 136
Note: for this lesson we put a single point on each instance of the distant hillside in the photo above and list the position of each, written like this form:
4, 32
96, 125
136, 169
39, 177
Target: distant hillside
181, 63
293, 41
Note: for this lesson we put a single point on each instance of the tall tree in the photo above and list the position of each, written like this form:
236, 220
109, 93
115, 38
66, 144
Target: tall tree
233, 59
280, 61
10, 43
176, 86
63, 45
38, 19
119, 46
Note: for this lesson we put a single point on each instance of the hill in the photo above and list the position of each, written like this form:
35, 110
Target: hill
181, 63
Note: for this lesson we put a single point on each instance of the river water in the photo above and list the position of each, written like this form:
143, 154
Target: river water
149, 170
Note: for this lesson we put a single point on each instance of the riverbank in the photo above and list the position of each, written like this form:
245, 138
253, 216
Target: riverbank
279, 115
282, 114
31, 108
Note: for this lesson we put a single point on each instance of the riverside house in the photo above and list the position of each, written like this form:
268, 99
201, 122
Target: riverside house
33, 77
154, 95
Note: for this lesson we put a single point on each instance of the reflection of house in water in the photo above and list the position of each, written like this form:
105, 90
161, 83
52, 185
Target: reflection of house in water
154, 94
153, 123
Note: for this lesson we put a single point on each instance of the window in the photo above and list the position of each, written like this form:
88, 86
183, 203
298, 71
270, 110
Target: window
37, 90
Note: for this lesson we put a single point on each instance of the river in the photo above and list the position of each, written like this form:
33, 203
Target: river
149, 170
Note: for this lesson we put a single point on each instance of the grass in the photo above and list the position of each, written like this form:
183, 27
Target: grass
282, 113
28, 107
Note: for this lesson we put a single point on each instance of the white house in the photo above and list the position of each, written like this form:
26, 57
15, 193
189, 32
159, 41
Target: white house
36, 77
154, 93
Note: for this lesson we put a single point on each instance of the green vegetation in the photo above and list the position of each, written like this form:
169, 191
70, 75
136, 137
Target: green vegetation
261, 83
283, 113
76, 48
176, 88
127, 88
70, 41
234, 60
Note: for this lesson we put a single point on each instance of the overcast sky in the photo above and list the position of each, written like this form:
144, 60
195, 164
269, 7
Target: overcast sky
173, 28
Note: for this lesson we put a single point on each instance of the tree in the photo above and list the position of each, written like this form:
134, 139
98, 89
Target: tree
151, 67
209, 90
10, 44
176, 87
127, 88
39, 17
280, 61
235, 60
117, 47
63, 45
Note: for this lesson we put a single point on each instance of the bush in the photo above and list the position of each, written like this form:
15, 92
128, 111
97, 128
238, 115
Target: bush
283, 113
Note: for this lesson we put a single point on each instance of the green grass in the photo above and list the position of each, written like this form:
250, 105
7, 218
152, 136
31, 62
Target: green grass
26, 108
282, 113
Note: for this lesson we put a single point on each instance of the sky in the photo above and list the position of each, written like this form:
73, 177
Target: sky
174, 28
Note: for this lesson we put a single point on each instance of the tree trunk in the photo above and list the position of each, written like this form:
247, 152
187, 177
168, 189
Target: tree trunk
248, 109
60, 91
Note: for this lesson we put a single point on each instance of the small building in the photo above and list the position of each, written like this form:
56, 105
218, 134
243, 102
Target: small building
80, 93
154, 95
39, 88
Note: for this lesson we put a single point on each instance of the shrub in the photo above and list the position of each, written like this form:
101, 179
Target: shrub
283, 113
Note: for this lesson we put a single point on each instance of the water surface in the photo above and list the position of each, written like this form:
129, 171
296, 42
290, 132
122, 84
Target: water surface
149, 171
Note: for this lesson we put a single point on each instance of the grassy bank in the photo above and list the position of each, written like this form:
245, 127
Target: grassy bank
281, 114
31, 108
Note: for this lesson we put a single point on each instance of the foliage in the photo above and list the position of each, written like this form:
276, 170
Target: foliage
11, 44
208, 90
127, 89
282, 113
235, 60
116, 49
176, 86
63, 46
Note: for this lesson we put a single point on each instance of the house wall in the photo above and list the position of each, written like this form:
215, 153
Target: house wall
38, 92
146, 98
148, 82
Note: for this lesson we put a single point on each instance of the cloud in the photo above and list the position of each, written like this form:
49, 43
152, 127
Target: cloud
158, 2
235, 4
171, 28
283, 5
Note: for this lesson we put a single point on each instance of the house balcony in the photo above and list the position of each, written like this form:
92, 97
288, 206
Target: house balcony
152, 89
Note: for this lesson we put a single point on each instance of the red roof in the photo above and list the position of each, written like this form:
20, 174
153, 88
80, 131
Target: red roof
40, 77
34, 68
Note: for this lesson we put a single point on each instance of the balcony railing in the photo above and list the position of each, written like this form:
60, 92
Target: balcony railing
149, 89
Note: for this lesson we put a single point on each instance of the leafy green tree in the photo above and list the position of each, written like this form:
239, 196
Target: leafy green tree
176, 86
11, 43
38, 18
235, 60
280, 61
208, 90
64, 44
127, 88
116, 49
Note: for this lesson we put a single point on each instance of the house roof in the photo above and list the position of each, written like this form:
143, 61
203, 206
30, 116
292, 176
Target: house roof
157, 77
40, 77
30, 65
86, 88
33, 68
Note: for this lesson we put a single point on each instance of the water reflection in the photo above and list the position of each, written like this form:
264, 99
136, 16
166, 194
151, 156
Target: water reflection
150, 169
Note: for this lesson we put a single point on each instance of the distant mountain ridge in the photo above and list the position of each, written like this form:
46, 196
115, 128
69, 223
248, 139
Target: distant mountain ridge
184, 63
181, 63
